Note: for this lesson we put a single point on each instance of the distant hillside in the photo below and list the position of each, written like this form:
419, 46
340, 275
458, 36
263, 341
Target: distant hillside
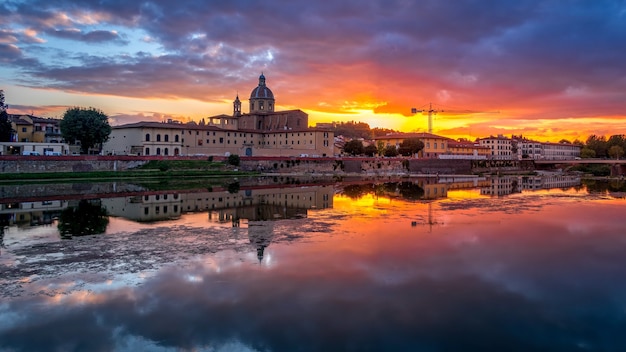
359, 130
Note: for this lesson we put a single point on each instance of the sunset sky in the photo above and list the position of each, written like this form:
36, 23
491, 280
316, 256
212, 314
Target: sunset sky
545, 69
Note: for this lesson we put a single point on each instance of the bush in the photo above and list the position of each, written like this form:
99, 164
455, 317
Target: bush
234, 159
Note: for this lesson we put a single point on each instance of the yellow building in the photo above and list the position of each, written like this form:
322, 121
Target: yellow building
434, 145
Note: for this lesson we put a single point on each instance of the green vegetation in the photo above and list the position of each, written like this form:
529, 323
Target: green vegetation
6, 130
234, 159
165, 165
353, 147
603, 147
89, 126
154, 169
594, 169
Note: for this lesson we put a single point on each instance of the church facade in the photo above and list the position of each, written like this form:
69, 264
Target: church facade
261, 132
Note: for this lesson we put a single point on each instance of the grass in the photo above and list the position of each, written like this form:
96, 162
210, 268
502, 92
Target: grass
155, 169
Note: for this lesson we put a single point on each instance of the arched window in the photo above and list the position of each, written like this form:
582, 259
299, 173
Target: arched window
166, 151
167, 137
176, 152
147, 137
158, 137
147, 151
158, 151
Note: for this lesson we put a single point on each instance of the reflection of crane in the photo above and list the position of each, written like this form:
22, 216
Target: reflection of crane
430, 222
432, 111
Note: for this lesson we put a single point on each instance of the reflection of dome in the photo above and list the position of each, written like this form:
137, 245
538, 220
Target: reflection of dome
262, 91
260, 234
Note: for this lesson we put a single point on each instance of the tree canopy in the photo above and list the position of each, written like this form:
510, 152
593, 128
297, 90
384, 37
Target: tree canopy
6, 130
390, 151
90, 126
616, 151
353, 147
410, 146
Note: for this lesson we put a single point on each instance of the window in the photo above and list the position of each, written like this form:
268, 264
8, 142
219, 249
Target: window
167, 137
176, 138
158, 151
221, 139
158, 137
166, 151
147, 137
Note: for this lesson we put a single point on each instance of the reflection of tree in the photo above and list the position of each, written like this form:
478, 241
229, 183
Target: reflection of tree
4, 222
410, 190
357, 191
233, 187
85, 219
601, 186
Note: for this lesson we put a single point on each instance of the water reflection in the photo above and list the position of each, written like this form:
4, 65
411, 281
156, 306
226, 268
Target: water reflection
85, 218
345, 266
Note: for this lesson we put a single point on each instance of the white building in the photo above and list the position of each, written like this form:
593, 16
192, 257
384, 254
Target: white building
500, 147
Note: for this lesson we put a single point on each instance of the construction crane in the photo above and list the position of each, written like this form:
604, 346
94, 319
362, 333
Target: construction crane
432, 112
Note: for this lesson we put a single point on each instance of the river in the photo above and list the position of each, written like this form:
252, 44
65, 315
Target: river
286, 264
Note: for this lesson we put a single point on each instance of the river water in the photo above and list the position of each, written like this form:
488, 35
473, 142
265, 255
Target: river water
421, 264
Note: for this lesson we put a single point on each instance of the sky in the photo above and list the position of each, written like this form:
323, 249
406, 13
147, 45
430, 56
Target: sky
545, 69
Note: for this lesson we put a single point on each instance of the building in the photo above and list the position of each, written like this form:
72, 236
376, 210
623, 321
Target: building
500, 147
434, 145
529, 149
466, 150
560, 151
29, 128
261, 132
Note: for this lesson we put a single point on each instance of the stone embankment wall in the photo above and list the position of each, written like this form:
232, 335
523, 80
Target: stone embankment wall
365, 166
33, 164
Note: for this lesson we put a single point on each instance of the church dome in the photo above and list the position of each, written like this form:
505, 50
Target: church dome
261, 91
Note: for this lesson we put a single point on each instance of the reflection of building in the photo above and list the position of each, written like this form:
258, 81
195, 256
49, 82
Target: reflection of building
257, 204
33, 213
261, 132
501, 186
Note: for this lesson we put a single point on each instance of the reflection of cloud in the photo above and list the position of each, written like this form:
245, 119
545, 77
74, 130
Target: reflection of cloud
511, 283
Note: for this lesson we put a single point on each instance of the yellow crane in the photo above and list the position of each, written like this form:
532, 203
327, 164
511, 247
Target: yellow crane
432, 112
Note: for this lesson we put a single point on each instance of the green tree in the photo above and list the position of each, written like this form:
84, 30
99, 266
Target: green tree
390, 151
6, 130
234, 159
89, 126
587, 153
380, 146
410, 146
616, 139
598, 144
370, 150
616, 152
354, 147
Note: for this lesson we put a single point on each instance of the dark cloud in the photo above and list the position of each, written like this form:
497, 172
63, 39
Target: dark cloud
484, 55
91, 37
